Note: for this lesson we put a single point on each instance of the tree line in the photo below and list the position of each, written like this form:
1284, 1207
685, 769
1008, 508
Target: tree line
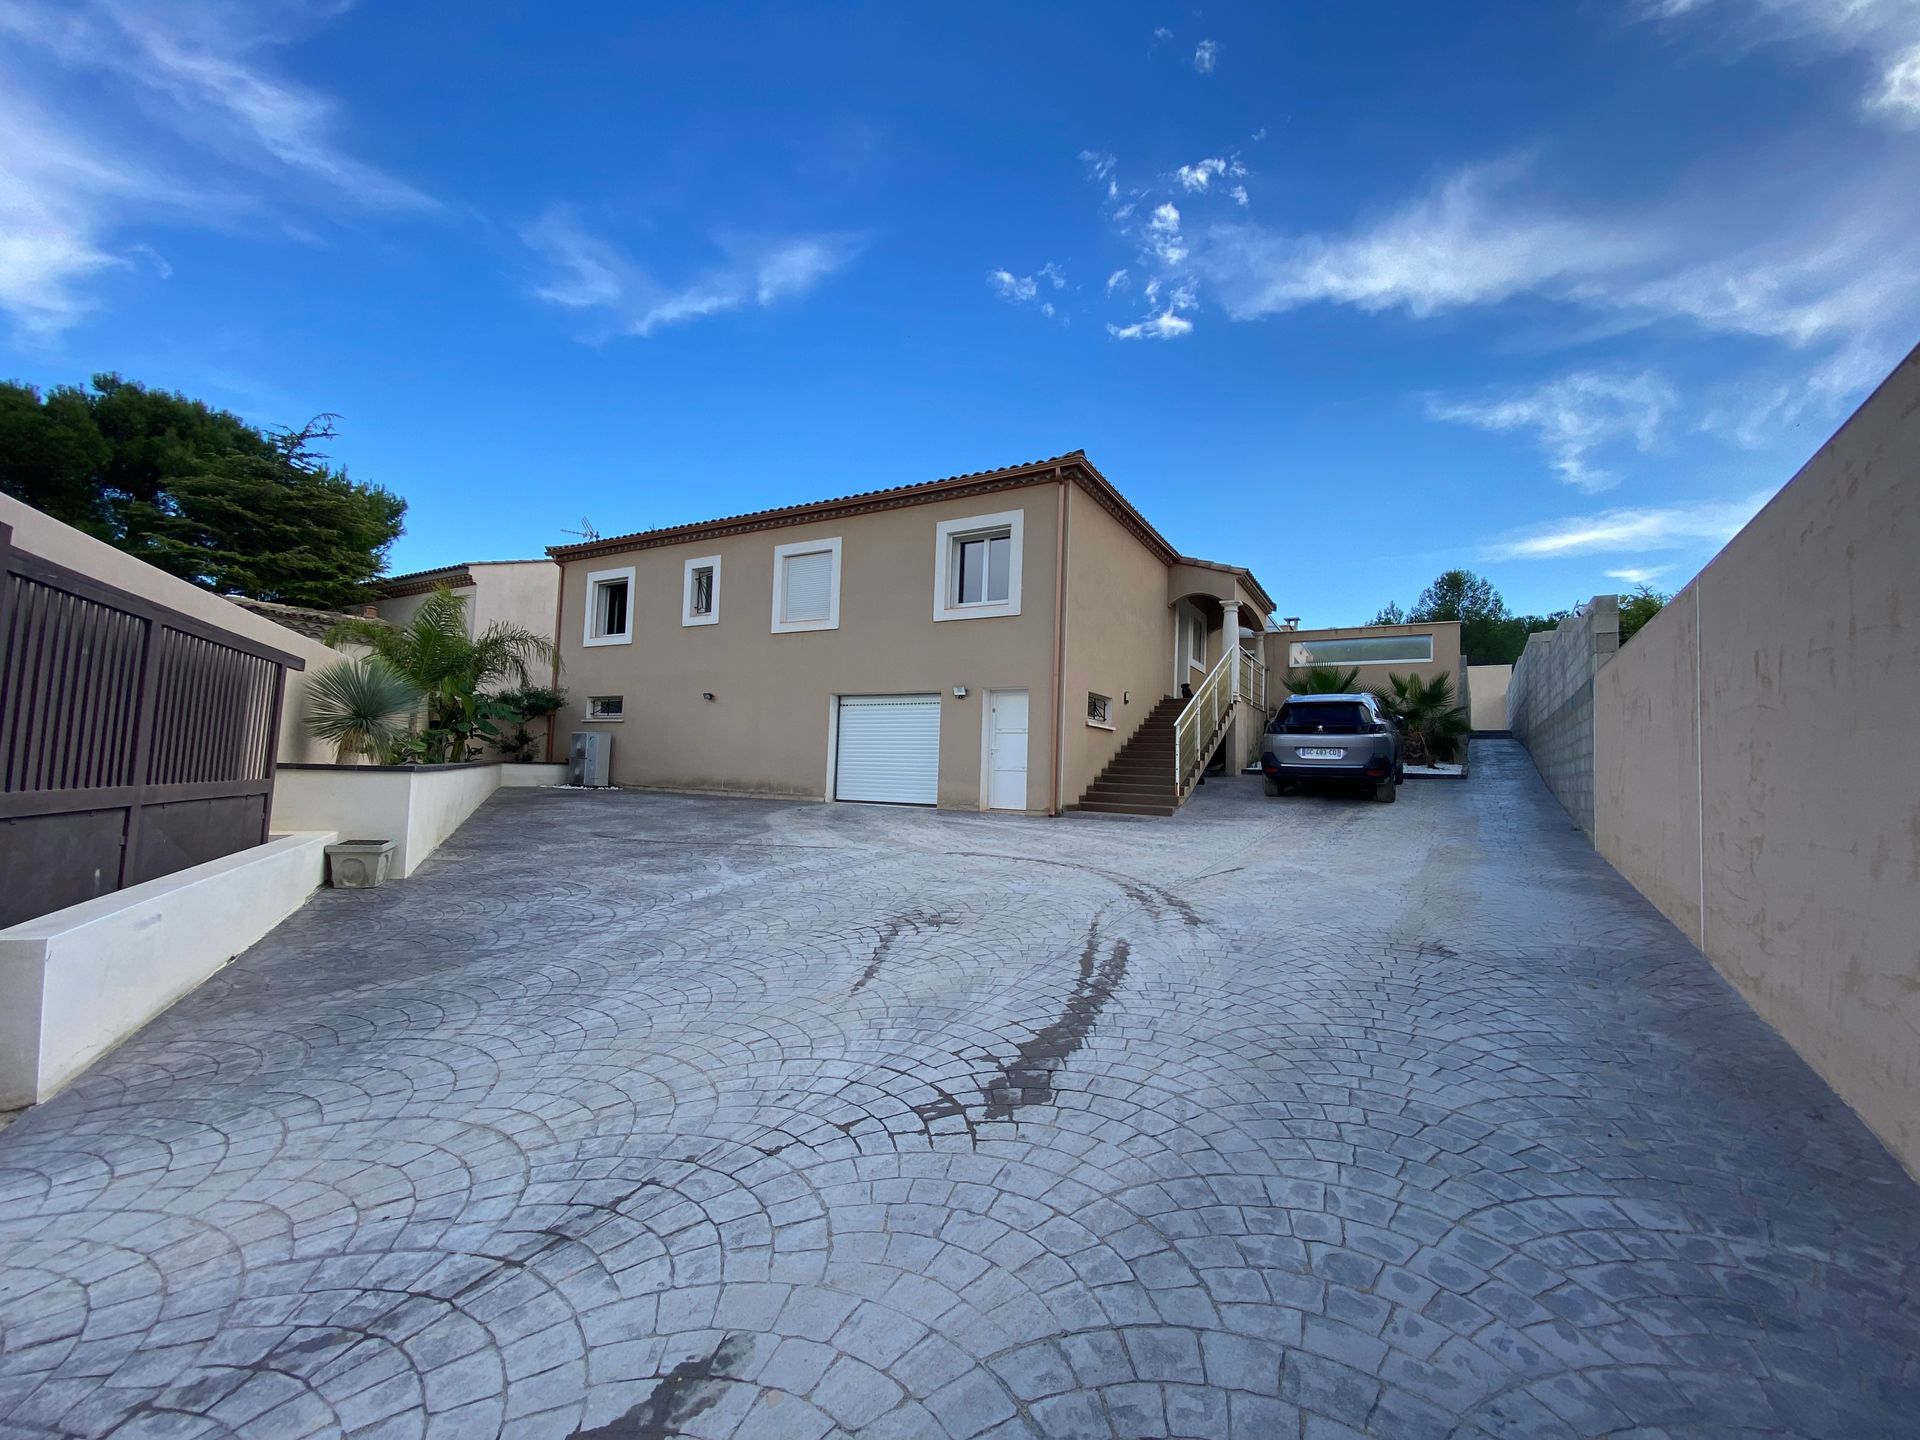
198, 492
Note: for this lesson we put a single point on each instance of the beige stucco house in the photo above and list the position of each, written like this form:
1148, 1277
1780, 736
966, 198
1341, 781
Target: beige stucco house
515, 592
988, 641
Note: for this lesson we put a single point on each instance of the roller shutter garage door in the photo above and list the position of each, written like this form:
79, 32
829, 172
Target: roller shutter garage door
889, 749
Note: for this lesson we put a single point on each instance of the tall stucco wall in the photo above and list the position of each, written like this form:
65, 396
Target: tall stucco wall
1755, 747
42, 535
1550, 701
1119, 639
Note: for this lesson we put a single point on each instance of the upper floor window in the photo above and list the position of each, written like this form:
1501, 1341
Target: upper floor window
1362, 650
806, 585
700, 592
609, 607
976, 566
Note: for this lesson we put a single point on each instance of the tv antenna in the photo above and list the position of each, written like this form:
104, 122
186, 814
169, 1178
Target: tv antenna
586, 532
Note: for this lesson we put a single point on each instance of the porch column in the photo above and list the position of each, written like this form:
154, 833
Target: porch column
1230, 642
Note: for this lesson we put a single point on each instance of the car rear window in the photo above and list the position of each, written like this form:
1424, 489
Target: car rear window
1323, 717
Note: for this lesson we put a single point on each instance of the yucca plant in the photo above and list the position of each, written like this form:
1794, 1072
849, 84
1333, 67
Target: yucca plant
1323, 680
452, 669
364, 707
1429, 713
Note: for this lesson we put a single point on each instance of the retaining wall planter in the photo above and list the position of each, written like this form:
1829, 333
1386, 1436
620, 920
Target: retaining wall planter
415, 806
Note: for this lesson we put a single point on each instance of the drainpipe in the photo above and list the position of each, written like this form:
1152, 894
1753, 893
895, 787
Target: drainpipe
1054, 803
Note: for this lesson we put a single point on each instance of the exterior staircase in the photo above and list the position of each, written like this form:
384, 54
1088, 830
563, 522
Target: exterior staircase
1140, 778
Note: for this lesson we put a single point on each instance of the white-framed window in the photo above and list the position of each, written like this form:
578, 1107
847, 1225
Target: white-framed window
806, 586
976, 566
609, 618
1362, 650
1196, 641
1100, 711
700, 592
606, 707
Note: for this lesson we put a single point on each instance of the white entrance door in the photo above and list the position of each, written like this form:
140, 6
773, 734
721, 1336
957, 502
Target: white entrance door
888, 749
1007, 750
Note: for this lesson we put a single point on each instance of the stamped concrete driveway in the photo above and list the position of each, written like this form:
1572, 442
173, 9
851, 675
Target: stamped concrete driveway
642, 1116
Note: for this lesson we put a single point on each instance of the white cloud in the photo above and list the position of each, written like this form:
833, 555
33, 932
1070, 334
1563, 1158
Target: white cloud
1884, 33
1161, 32
1239, 194
185, 121
1674, 527
1017, 288
1204, 56
1468, 242
1751, 411
1640, 574
1163, 235
1025, 289
591, 274
1165, 326
1116, 281
1201, 174
1898, 96
1574, 417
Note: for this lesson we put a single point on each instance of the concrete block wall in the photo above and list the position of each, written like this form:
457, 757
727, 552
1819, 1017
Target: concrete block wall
1550, 701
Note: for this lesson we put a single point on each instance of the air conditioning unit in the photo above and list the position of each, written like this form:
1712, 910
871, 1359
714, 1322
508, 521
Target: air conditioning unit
590, 758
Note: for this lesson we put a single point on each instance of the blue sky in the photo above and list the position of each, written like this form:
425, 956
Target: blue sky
1347, 293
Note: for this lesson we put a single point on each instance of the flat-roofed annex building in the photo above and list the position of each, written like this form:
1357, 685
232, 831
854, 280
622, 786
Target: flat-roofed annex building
987, 641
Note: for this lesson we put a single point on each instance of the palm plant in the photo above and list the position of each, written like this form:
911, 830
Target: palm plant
1323, 680
1430, 714
452, 670
364, 707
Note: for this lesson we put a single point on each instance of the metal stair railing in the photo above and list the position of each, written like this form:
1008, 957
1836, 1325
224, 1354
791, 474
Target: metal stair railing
1198, 729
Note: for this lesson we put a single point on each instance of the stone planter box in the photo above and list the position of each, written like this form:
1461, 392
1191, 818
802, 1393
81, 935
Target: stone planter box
359, 864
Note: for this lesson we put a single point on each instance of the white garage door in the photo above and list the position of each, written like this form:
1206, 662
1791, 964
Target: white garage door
889, 749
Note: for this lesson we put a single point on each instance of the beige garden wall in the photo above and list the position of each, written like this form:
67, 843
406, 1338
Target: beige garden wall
60, 543
1487, 689
1754, 770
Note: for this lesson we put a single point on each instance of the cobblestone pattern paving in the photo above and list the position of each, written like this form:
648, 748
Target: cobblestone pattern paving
635, 1116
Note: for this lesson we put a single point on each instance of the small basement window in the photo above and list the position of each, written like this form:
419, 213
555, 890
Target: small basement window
609, 607
1100, 711
606, 707
700, 592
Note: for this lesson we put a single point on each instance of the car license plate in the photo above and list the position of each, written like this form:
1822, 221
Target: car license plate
1312, 752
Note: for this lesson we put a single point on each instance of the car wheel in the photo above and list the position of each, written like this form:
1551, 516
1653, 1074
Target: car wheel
1385, 793
1273, 787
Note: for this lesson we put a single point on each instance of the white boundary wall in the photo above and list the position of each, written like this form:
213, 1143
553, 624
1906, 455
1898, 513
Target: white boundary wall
75, 983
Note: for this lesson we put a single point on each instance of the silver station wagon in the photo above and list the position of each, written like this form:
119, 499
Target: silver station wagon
1333, 737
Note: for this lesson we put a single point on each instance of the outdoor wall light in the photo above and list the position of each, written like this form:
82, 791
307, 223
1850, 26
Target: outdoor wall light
1126, 697
959, 692
706, 694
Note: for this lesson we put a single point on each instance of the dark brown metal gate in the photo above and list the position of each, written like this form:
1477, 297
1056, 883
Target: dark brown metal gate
134, 740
